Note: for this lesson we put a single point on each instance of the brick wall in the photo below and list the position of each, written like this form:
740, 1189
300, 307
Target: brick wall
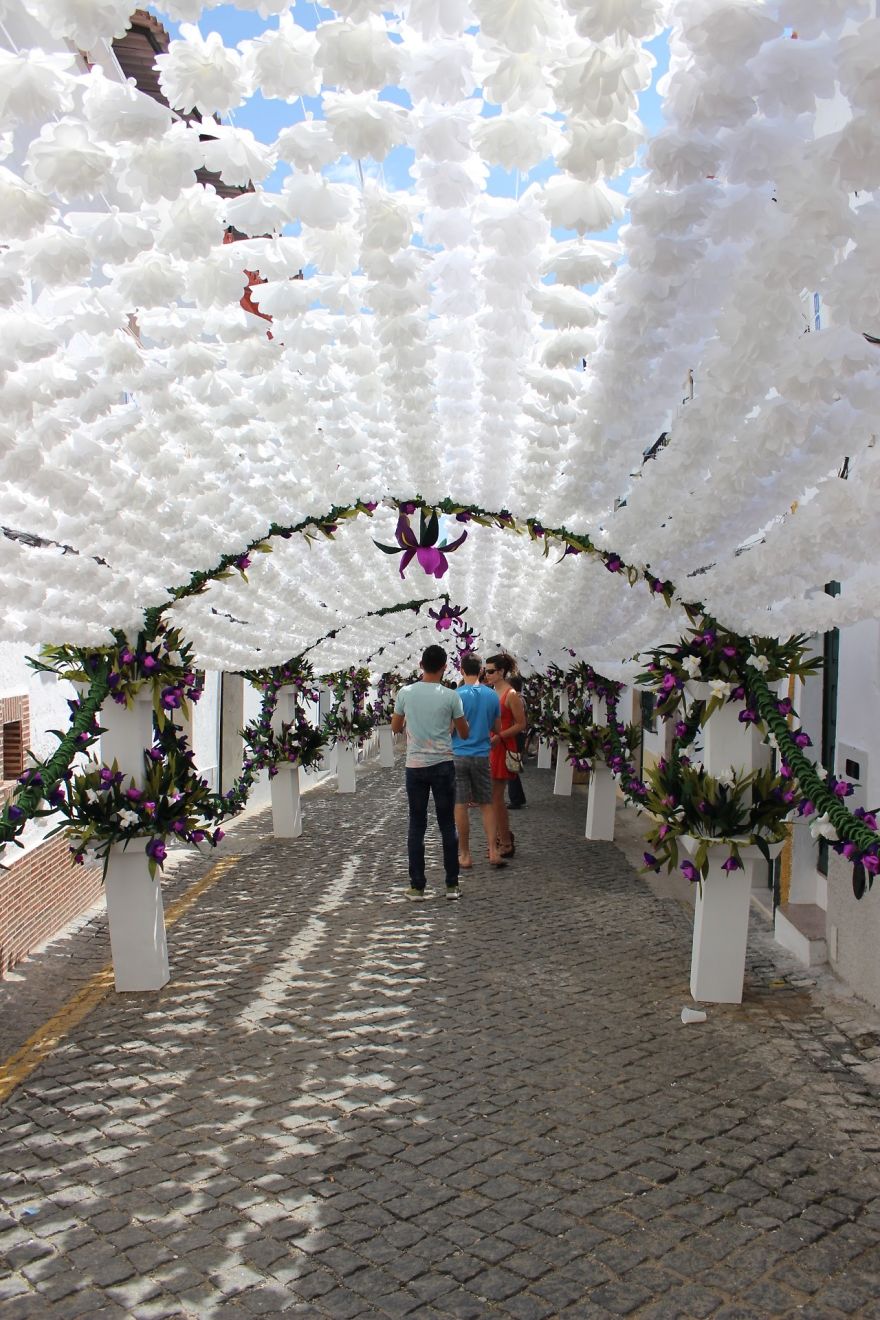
39, 895
41, 891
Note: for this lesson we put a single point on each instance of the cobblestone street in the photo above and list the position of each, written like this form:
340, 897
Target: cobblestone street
347, 1105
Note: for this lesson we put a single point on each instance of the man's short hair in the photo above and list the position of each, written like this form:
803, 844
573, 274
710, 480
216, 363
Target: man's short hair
433, 659
471, 664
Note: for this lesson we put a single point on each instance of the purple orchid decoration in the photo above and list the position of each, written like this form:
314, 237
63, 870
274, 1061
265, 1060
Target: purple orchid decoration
424, 547
446, 616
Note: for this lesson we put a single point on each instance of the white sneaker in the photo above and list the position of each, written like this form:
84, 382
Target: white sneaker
452, 893
417, 895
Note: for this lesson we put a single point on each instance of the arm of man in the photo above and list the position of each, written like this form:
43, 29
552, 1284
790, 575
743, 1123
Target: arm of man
461, 726
397, 723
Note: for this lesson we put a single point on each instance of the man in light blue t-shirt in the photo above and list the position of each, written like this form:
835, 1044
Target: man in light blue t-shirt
473, 782
429, 711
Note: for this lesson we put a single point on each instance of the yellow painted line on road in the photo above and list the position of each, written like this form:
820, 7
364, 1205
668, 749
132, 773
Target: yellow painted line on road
20, 1065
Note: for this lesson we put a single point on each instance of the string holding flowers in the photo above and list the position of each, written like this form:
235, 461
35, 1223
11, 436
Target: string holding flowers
430, 555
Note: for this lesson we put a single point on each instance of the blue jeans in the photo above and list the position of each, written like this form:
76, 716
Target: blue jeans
421, 781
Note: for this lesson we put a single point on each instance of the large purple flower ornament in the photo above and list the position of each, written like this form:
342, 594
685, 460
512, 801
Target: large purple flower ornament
424, 547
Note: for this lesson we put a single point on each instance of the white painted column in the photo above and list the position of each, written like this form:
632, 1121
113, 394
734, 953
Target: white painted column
134, 899
721, 914
284, 786
345, 757
564, 768
386, 746
544, 753
601, 804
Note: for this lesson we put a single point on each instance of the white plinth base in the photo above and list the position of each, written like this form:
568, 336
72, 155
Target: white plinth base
137, 920
386, 746
286, 805
345, 772
602, 804
564, 772
544, 754
721, 928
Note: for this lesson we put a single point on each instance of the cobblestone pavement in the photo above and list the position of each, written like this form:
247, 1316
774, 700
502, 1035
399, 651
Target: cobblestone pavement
347, 1105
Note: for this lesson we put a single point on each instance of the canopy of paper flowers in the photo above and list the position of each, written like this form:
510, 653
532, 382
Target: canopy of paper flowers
446, 179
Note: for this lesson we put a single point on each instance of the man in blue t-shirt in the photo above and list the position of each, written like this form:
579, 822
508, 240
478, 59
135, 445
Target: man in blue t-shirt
429, 711
473, 782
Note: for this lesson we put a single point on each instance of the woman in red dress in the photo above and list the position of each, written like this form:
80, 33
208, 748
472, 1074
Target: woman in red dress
513, 722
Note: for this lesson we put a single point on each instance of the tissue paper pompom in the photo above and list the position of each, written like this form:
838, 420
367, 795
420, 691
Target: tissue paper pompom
118, 112
564, 308
678, 159
307, 146
57, 257
199, 73
516, 140
164, 167
854, 153
517, 81
583, 207
441, 133
255, 213
447, 227
450, 183
602, 82
857, 66
358, 58
818, 16
86, 22
790, 76
332, 251
148, 280
518, 26
314, 201
440, 71
581, 261
284, 297
282, 64
362, 125
236, 155
727, 34
594, 149
192, 224
598, 19
432, 17
11, 280
64, 161
707, 104
22, 210
34, 85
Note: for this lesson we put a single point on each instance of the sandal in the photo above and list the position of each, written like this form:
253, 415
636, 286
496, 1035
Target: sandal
509, 852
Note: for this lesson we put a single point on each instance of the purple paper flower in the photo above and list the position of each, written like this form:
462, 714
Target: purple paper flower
871, 863
650, 860
431, 556
732, 864
126, 657
171, 698
242, 562
156, 851
446, 615
689, 871
614, 563
680, 729
802, 739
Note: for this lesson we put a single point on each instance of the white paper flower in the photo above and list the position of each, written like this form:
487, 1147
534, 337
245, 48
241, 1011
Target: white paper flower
282, 63
86, 22
719, 688
516, 139
598, 19
439, 72
255, 212
821, 828
332, 251
236, 155
118, 112
360, 58
165, 167
564, 308
192, 224
34, 85
517, 81
149, 280
200, 73
362, 125
518, 26
113, 237
583, 207
63, 160
432, 17
580, 261
23, 210
594, 149
284, 297
692, 666
57, 257
307, 145
316, 202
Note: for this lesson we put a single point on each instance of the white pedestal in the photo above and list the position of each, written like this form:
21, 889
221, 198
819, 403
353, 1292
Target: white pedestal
137, 920
564, 772
601, 804
345, 772
286, 804
728, 743
128, 733
544, 754
721, 928
386, 746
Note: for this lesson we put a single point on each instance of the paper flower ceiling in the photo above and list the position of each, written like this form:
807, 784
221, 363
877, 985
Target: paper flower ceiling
430, 225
